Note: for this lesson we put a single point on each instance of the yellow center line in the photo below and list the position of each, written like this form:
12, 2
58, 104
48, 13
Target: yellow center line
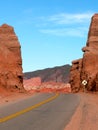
28, 109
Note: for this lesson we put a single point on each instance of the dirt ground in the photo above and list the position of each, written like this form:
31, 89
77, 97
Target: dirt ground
10, 97
86, 115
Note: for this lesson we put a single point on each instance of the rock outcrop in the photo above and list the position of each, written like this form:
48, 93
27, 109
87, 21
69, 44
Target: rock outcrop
86, 69
75, 76
11, 76
35, 85
32, 84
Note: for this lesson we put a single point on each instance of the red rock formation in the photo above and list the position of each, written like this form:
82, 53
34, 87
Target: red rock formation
75, 75
55, 87
32, 83
10, 59
87, 68
35, 85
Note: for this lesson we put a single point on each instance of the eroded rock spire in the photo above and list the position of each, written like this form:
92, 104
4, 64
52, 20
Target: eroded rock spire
87, 67
11, 76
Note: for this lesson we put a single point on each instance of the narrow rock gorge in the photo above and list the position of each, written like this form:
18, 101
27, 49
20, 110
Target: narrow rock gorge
86, 68
11, 76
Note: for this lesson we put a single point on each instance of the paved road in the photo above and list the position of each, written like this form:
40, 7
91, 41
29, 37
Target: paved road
53, 115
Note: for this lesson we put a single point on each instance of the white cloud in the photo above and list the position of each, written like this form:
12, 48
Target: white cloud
76, 32
65, 24
66, 18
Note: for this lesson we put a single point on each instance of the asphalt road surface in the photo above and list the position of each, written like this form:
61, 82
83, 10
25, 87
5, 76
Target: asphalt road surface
48, 115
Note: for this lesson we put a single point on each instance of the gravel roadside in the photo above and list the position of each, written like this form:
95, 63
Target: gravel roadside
86, 115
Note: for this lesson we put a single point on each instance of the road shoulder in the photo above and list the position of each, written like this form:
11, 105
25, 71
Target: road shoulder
14, 97
86, 115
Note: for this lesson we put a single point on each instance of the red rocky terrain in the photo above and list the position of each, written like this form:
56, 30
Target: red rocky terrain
86, 69
35, 85
48, 80
11, 77
55, 74
32, 84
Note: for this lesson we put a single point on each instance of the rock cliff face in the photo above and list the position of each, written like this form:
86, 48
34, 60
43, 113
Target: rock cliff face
10, 59
87, 67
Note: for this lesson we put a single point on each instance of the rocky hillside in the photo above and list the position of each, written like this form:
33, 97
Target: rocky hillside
84, 72
56, 74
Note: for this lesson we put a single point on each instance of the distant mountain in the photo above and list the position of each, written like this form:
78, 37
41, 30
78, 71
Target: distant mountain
56, 74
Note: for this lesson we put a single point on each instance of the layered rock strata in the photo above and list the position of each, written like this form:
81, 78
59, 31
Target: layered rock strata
35, 85
11, 76
86, 69
32, 83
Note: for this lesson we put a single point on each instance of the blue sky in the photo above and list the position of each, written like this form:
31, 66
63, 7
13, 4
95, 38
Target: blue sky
51, 32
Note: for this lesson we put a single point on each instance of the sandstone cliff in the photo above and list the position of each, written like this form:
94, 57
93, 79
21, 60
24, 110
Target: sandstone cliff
11, 76
86, 69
